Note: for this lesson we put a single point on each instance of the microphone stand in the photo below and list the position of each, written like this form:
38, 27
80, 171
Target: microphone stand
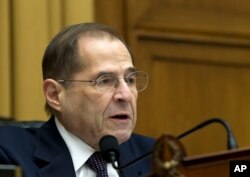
111, 154
131, 162
231, 140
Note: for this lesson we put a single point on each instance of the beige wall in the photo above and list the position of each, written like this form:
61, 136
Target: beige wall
26, 28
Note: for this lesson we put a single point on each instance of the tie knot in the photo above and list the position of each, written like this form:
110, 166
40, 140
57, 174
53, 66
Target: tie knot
98, 164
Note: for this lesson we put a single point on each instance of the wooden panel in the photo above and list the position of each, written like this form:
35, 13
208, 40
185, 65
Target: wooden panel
197, 53
216, 165
188, 87
225, 17
111, 12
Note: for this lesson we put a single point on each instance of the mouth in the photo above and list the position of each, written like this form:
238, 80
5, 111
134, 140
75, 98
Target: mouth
120, 116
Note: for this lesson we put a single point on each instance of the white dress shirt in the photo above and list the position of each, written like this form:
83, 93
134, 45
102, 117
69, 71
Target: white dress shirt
80, 152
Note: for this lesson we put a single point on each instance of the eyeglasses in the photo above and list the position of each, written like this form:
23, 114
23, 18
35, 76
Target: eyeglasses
136, 81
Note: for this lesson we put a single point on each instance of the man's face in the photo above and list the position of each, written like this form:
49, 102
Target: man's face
89, 113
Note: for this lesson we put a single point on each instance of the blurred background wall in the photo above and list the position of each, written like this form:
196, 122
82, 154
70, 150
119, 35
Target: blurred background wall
26, 27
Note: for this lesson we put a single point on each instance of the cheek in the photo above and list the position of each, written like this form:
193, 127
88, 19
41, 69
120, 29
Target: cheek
88, 107
80, 112
73, 103
134, 102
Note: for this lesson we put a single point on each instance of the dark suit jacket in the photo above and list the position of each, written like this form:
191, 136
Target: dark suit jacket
41, 152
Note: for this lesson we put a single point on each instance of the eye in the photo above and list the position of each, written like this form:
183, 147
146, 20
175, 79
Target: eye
105, 80
131, 79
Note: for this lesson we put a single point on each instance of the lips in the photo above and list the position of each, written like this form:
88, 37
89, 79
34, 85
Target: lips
120, 116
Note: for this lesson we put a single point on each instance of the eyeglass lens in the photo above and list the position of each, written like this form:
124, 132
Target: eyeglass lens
136, 81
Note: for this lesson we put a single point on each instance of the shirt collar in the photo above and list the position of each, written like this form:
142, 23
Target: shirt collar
79, 150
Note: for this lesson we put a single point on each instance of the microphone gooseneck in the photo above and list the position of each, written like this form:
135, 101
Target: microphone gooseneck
110, 148
231, 140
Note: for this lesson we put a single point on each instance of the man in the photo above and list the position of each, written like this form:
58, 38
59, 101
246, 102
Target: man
91, 88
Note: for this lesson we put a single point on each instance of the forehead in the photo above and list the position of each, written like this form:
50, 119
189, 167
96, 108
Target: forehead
104, 54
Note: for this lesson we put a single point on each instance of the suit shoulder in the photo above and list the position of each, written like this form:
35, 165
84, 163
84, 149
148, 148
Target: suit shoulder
141, 139
139, 143
16, 134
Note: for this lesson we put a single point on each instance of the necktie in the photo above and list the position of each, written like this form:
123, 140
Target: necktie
98, 164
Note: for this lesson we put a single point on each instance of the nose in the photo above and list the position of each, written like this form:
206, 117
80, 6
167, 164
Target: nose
122, 91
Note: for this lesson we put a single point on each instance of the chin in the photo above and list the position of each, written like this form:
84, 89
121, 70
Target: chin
122, 136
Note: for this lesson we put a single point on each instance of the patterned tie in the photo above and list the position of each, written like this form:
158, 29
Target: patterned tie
96, 163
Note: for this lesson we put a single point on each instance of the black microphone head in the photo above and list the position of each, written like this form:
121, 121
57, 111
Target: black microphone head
109, 148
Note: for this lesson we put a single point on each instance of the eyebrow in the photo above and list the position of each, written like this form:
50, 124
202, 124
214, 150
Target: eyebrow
131, 69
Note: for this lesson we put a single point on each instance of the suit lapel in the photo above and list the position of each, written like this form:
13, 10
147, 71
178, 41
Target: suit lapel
127, 155
52, 155
136, 146
60, 166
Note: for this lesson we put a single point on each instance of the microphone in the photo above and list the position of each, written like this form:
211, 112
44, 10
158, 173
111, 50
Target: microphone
110, 151
110, 148
231, 140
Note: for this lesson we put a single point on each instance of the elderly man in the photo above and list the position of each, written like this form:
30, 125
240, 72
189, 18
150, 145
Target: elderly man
91, 88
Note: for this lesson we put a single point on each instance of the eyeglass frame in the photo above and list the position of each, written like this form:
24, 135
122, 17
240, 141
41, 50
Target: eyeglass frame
116, 80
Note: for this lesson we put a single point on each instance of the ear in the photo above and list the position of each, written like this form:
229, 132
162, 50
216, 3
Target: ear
51, 90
